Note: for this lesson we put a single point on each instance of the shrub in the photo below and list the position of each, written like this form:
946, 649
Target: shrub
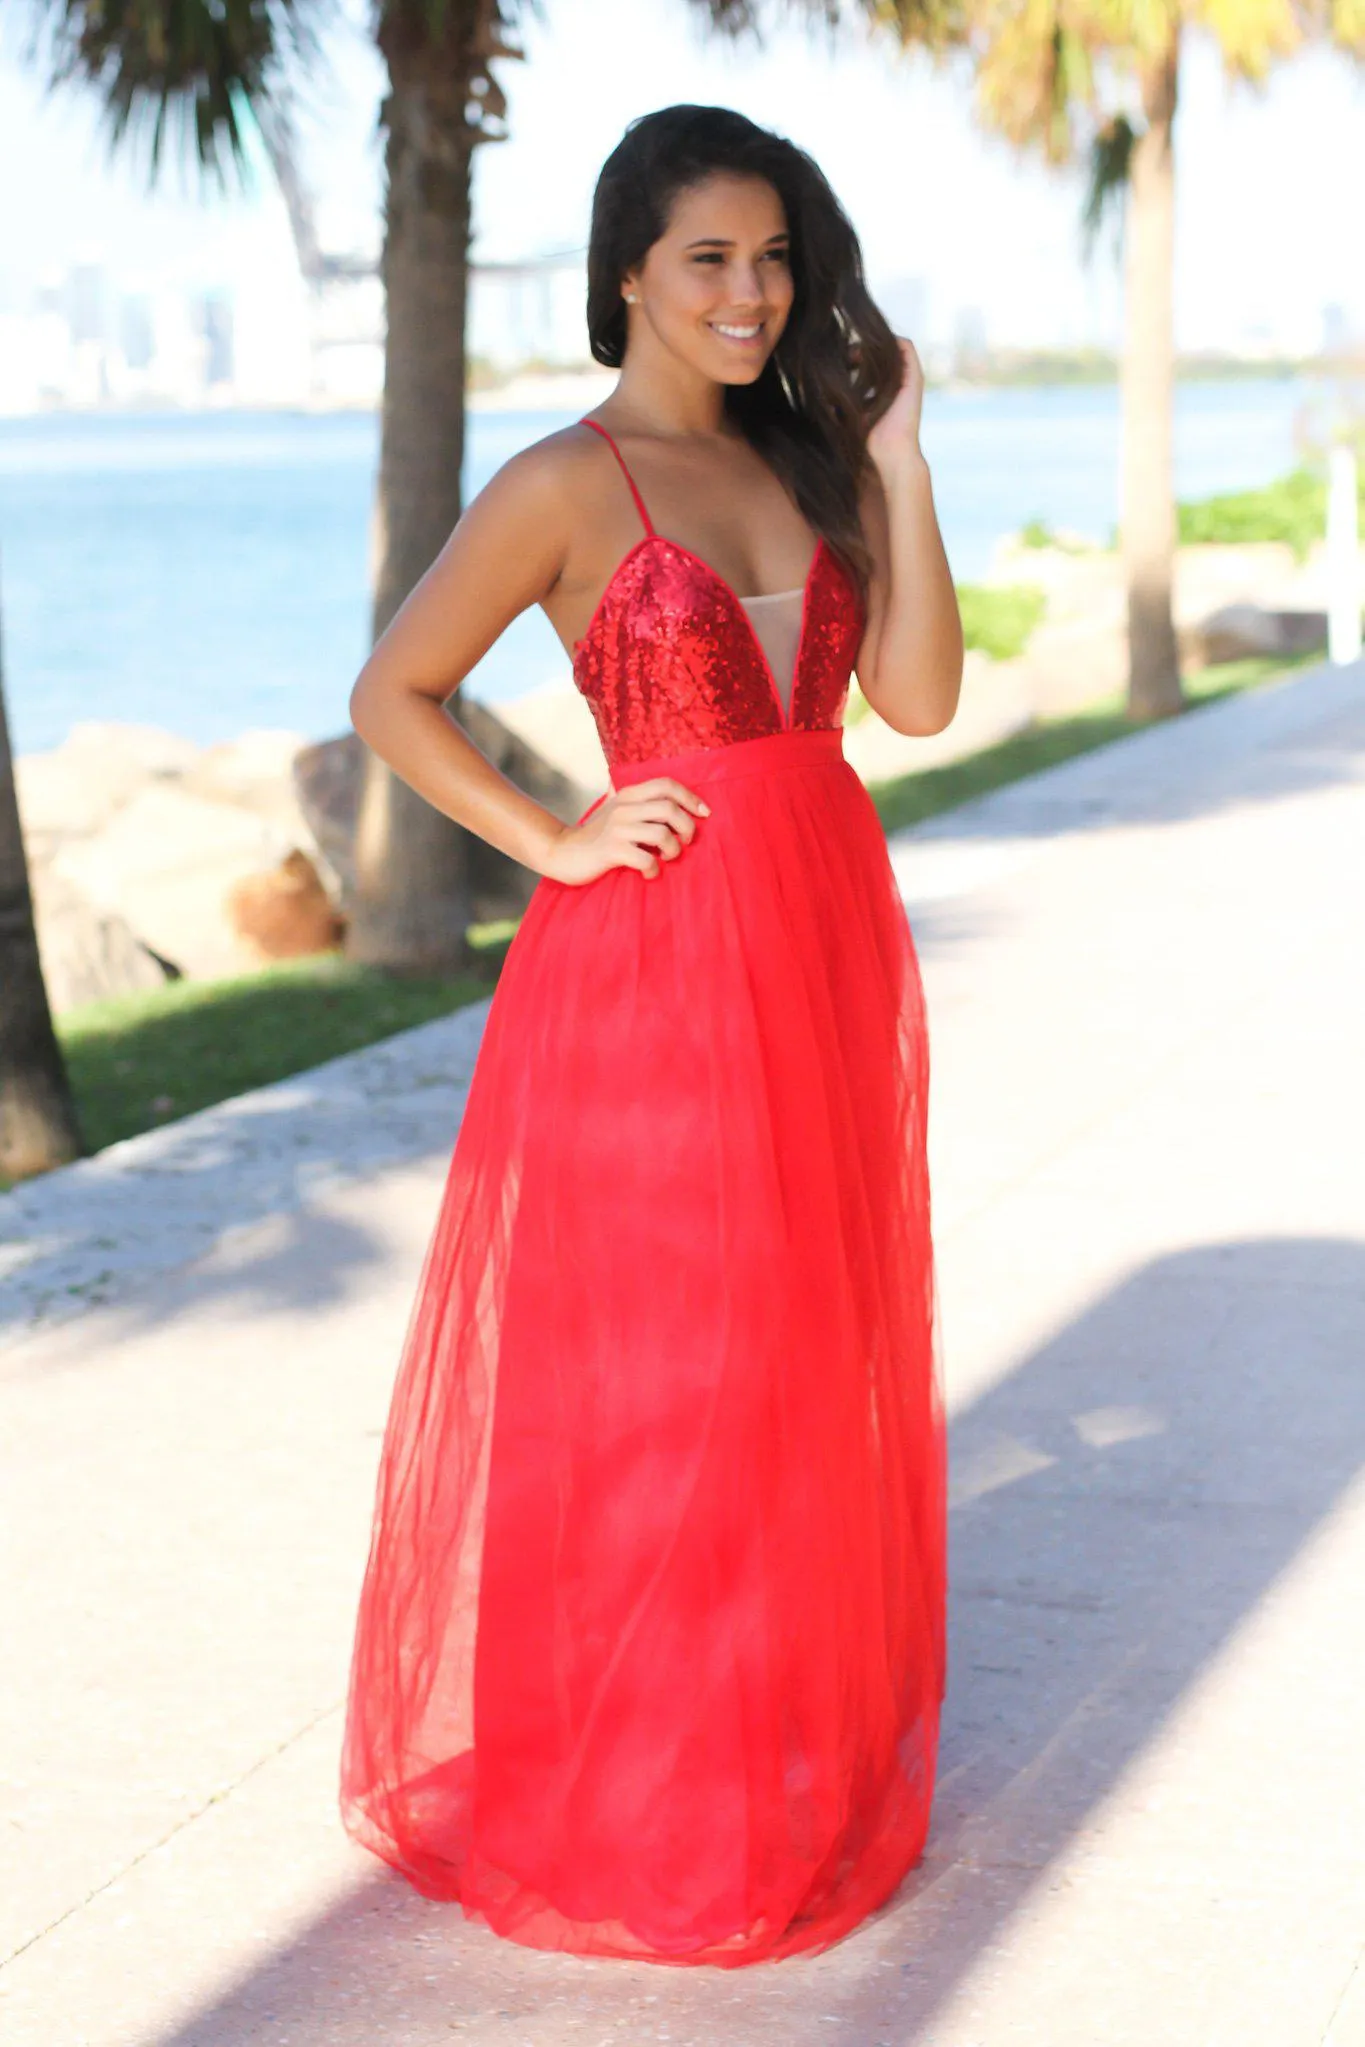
1292, 510
999, 621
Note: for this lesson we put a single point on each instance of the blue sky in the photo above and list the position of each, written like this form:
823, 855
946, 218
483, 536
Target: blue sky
1270, 228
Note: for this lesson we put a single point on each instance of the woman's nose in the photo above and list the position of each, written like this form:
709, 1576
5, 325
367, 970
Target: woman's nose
746, 284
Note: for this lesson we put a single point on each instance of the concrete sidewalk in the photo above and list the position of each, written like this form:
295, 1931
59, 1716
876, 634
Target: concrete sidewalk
1147, 990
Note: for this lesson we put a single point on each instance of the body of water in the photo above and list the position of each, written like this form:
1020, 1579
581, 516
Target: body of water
209, 573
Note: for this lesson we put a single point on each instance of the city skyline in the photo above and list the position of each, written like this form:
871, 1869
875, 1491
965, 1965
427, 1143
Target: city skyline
89, 342
1262, 261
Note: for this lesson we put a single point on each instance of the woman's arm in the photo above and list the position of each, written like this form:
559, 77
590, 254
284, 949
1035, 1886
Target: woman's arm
506, 553
910, 661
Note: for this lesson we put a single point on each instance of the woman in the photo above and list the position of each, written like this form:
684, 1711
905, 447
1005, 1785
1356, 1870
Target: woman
650, 1648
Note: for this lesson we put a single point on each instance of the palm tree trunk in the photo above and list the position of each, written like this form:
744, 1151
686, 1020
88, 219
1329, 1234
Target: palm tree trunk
38, 1127
1148, 402
411, 901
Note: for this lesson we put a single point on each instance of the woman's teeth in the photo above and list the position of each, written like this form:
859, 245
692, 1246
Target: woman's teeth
738, 333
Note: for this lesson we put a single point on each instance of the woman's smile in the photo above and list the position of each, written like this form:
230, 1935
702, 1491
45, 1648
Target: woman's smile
744, 334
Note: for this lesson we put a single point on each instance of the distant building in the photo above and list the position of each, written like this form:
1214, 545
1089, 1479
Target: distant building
1336, 330
219, 358
971, 341
87, 304
21, 375
530, 310
135, 333
905, 302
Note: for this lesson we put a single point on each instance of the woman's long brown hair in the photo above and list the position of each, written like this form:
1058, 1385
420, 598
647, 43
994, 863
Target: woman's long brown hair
836, 367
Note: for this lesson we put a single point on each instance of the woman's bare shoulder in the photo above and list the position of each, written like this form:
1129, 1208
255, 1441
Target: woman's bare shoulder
555, 473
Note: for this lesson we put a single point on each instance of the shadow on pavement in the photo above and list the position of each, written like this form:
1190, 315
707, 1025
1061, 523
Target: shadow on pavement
1125, 1499
94, 1234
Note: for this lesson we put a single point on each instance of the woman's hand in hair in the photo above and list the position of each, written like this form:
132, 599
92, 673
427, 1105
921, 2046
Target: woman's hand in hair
895, 437
910, 661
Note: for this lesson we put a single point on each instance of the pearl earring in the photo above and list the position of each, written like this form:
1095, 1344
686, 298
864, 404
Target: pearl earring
631, 299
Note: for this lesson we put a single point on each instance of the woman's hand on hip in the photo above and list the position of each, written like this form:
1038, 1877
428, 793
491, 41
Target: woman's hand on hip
640, 825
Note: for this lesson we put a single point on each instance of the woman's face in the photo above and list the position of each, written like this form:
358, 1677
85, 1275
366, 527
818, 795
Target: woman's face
716, 288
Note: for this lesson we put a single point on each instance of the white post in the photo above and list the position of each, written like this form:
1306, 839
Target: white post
1343, 559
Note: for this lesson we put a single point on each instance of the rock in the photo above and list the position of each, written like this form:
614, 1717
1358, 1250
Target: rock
76, 788
329, 780
556, 722
256, 773
1240, 632
145, 750
522, 762
285, 914
88, 953
237, 770
1071, 663
500, 887
166, 861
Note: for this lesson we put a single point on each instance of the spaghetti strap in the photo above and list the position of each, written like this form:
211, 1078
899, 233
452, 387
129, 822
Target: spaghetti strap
639, 501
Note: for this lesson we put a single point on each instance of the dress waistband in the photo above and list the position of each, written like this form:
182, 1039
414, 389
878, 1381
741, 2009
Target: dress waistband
740, 757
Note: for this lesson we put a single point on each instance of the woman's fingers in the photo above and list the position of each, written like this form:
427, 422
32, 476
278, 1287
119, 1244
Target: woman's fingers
664, 785
640, 826
653, 832
668, 811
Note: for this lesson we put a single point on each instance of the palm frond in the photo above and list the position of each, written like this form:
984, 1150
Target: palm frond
1346, 25
197, 71
934, 25
1111, 155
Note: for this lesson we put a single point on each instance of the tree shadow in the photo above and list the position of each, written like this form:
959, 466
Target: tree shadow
1124, 1500
94, 1234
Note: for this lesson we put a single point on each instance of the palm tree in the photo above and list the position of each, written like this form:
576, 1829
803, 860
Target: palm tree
38, 1127
1098, 80
205, 77
218, 70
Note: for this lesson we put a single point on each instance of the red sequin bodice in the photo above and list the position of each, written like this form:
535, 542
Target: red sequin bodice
670, 660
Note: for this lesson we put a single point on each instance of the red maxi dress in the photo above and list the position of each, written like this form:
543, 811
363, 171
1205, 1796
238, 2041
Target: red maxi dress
649, 1653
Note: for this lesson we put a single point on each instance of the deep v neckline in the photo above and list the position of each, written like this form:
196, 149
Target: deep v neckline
652, 538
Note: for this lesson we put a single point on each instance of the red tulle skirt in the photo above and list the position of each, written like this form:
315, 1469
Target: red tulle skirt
650, 1647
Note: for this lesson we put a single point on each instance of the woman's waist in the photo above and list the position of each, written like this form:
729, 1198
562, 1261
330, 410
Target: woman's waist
769, 753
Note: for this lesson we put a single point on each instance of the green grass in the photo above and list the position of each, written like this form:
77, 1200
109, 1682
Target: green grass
999, 620
925, 792
1292, 510
149, 1059
143, 1060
